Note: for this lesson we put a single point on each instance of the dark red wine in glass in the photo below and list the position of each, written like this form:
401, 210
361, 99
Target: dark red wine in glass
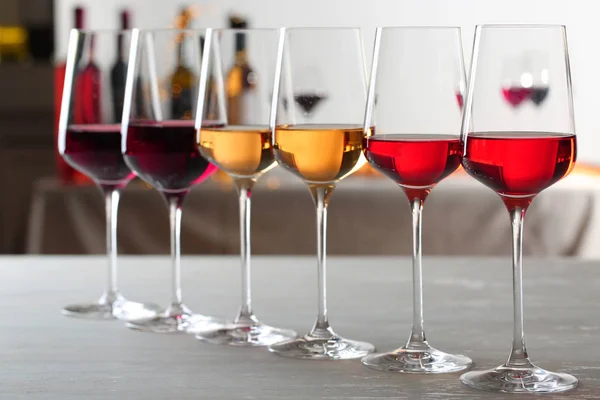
519, 165
95, 150
415, 162
165, 154
515, 95
539, 94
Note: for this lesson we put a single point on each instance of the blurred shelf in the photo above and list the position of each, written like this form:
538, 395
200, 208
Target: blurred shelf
26, 87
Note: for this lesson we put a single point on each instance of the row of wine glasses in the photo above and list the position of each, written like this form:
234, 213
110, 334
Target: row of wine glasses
405, 121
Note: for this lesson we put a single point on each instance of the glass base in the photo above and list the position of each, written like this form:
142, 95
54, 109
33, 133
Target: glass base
112, 306
529, 379
421, 361
175, 319
247, 331
320, 347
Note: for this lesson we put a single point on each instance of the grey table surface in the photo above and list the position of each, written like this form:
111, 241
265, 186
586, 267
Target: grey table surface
467, 310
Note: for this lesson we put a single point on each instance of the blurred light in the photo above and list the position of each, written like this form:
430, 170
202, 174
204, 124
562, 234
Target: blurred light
13, 42
526, 80
273, 183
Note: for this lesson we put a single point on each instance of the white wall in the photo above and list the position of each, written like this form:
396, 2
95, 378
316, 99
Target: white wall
578, 15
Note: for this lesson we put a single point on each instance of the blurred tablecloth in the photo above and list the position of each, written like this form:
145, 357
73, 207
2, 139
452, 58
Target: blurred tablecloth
367, 216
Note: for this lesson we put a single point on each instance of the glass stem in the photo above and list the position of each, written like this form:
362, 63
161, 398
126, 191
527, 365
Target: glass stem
417, 340
175, 201
518, 355
321, 195
245, 194
111, 197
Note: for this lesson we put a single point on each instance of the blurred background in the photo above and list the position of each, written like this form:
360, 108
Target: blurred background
48, 208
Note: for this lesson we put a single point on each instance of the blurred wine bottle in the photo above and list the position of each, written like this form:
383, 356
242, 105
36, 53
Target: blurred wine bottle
212, 113
118, 72
241, 79
182, 80
88, 85
38, 22
66, 173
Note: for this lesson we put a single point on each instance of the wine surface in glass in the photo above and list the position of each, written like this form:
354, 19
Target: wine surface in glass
319, 154
417, 161
519, 164
243, 151
165, 154
96, 151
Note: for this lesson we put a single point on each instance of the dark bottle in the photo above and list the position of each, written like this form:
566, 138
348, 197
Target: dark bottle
118, 73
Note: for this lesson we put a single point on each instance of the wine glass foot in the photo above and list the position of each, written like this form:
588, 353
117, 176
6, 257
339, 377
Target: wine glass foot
175, 319
111, 307
421, 361
331, 347
246, 332
529, 379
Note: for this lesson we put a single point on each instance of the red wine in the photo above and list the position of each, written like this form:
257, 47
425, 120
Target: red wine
308, 101
539, 94
460, 100
515, 95
415, 162
95, 150
165, 154
519, 164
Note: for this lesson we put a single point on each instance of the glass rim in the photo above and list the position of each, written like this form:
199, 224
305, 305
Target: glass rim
170, 30
322, 28
424, 27
244, 30
520, 26
101, 31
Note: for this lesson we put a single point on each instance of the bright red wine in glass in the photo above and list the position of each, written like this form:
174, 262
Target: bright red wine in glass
515, 95
519, 165
165, 154
95, 150
415, 162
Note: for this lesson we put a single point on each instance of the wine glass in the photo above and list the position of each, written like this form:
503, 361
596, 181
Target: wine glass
416, 151
159, 143
518, 156
516, 81
239, 144
90, 141
321, 149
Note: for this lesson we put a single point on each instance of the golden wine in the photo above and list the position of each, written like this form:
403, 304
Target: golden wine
319, 154
241, 151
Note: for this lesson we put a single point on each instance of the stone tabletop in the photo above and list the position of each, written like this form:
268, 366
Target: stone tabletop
467, 309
